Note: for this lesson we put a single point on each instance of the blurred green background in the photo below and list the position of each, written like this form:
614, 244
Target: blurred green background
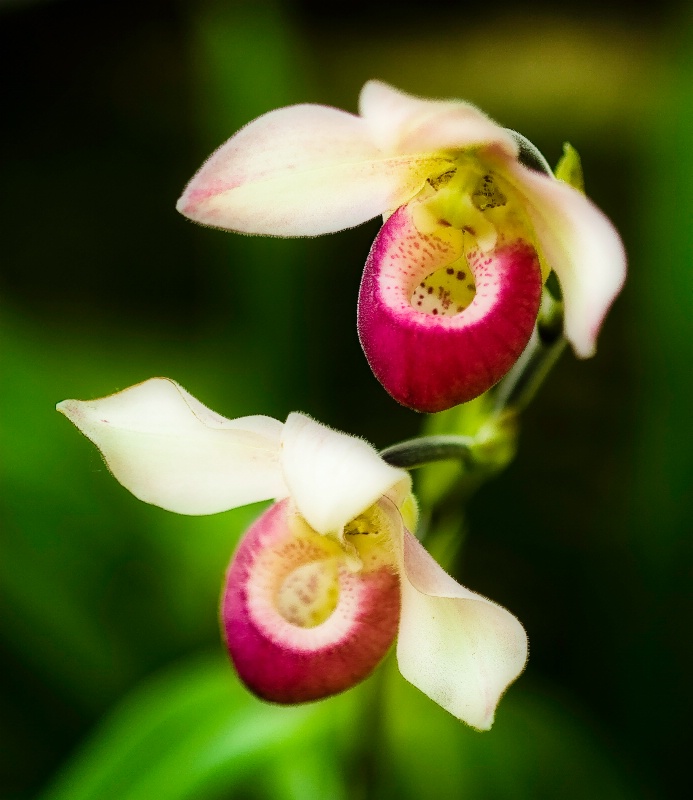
113, 681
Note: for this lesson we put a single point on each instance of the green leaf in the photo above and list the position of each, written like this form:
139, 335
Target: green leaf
195, 733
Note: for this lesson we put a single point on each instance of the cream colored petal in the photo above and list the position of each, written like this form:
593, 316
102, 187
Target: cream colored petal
333, 477
583, 248
456, 646
304, 170
169, 450
401, 123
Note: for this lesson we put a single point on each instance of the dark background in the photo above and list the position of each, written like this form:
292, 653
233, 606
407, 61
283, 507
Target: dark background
107, 110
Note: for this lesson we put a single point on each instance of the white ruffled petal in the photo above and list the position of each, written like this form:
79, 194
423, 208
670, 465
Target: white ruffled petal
582, 247
169, 450
332, 477
304, 170
401, 123
456, 646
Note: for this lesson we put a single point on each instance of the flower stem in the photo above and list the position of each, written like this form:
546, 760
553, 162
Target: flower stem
517, 389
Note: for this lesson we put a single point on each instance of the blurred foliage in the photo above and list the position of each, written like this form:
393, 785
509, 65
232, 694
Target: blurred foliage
109, 605
195, 733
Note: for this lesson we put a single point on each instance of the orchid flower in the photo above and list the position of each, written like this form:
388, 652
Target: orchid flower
325, 579
474, 223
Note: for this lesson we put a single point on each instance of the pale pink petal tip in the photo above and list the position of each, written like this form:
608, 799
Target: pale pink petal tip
298, 623
429, 353
303, 170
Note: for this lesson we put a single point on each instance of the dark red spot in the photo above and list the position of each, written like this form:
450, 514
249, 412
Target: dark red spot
461, 276
430, 290
435, 310
444, 223
449, 270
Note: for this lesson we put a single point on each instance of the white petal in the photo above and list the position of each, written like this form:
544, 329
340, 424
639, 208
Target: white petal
332, 477
401, 123
456, 646
168, 449
582, 247
300, 171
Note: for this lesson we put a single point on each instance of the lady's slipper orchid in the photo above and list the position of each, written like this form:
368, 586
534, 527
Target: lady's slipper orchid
452, 284
327, 577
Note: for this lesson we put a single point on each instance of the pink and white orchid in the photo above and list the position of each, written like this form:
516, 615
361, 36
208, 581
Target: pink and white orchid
327, 577
452, 284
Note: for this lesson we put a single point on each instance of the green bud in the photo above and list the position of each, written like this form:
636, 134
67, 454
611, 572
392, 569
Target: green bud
569, 168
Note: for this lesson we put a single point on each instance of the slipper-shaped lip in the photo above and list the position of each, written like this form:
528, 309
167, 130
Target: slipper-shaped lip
431, 362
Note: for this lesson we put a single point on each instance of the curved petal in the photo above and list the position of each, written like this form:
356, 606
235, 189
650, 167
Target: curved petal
300, 171
299, 623
457, 647
582, 247
169, 450
332, 477
427, 351
401, 123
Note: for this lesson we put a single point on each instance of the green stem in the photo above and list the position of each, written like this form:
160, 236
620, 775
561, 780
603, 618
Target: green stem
518, 387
